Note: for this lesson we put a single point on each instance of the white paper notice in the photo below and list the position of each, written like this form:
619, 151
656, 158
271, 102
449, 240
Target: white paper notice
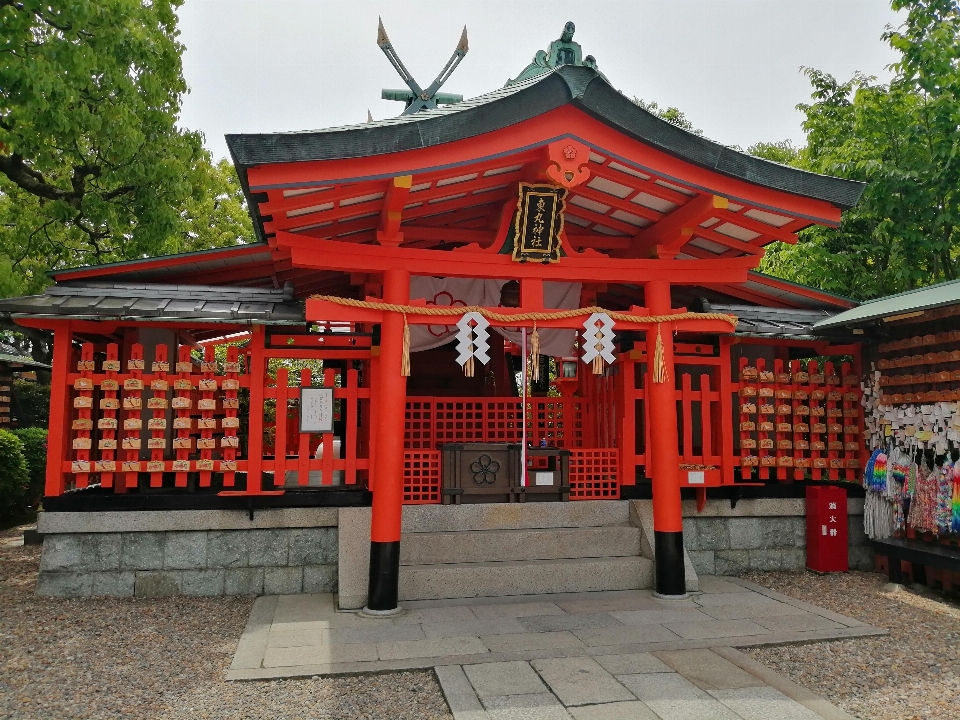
695, 477
316, 410
543, 478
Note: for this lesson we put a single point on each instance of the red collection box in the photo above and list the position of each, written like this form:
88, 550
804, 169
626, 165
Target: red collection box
827, 529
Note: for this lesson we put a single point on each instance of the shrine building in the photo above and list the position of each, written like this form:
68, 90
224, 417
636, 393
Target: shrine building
526, 309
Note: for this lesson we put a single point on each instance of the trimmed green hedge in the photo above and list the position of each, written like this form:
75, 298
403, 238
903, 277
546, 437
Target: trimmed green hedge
14, 476
34, 441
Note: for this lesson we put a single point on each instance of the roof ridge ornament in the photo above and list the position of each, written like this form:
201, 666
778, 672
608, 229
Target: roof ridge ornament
563, 51
416, 98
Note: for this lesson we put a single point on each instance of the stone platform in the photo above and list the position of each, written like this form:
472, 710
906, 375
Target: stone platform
304, 635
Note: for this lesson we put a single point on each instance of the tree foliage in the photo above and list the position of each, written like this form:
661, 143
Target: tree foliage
672, 115
93, 166
902, 139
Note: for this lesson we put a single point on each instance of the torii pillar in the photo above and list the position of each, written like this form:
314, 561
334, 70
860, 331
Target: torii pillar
382, 593
663, 451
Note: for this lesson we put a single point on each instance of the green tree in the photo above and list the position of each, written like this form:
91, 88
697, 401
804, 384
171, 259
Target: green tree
902, 139
93, 167
672, 115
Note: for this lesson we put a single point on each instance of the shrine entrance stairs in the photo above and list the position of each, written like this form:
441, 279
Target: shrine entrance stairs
496, 550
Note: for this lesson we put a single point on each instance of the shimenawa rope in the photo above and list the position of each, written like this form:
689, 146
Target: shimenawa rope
660, 374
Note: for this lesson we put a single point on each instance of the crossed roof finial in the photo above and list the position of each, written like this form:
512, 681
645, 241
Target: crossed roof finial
416, 97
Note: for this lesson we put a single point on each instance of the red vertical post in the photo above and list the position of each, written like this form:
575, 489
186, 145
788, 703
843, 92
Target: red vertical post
183, 422
663, 456
258, 378
388, 490
230, 443
206, 423
157, 425
132, 417
627, 436
84, 423
107, 424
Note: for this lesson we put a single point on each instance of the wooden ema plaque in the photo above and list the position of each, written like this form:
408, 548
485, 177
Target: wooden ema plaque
798, 422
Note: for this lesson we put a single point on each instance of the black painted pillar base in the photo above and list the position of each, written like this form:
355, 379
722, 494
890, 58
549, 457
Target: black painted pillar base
384, 576
670, 575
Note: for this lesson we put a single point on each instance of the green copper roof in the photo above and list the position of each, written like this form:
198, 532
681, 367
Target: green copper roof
927, 298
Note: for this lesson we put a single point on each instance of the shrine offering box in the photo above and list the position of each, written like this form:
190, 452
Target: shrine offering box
490, 472
480, 472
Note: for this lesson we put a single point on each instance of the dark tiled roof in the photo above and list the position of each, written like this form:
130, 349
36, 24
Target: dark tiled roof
787, 323
581, 87
144, 301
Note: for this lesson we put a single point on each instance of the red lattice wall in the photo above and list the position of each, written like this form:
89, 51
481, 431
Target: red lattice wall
594, 474
421, 477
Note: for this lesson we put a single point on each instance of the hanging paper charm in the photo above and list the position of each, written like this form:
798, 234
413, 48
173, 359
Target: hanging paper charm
472, 341
598, 341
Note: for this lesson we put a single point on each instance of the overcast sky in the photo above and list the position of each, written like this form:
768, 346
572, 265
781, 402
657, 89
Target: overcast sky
733, 66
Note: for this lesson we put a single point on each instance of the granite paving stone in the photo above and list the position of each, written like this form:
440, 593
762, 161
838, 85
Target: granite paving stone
580, 681
459, 693
711, 584
627, 600
631, 664
531, 641
707, 670
749, 611
435, 647
373, 634
625, 635
634, 710
673, 697
646, 617
732, 598
504, 678
518, 609
763, 703
428, 616
304, 608
318, 655
797, 623
716, 629
473, 628
577, 621
541, 706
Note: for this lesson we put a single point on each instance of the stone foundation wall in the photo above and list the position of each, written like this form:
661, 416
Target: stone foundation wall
761, 535
151, 554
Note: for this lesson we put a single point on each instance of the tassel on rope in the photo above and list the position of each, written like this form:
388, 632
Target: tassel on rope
405, 358
535, 353
598, 365
468, 365
659, 365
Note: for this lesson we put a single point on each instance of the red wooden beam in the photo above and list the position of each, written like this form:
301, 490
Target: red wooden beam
670, 234
756, 226
618, 204
649, 187
392, 212
468, 262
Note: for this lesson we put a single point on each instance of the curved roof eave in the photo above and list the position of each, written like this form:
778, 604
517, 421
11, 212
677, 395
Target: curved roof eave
579, 86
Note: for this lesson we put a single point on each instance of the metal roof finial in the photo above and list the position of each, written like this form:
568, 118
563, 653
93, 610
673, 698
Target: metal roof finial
416, 97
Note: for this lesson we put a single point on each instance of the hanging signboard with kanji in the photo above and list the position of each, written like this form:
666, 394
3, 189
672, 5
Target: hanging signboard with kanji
539, 223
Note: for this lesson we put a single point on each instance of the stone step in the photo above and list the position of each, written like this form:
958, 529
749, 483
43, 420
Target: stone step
525, 577
514, 516
499, 545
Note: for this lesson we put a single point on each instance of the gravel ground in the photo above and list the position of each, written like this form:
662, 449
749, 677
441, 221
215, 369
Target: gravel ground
163, 659
912, 674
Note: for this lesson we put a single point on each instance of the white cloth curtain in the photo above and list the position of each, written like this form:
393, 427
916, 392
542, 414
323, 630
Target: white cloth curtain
486, 293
